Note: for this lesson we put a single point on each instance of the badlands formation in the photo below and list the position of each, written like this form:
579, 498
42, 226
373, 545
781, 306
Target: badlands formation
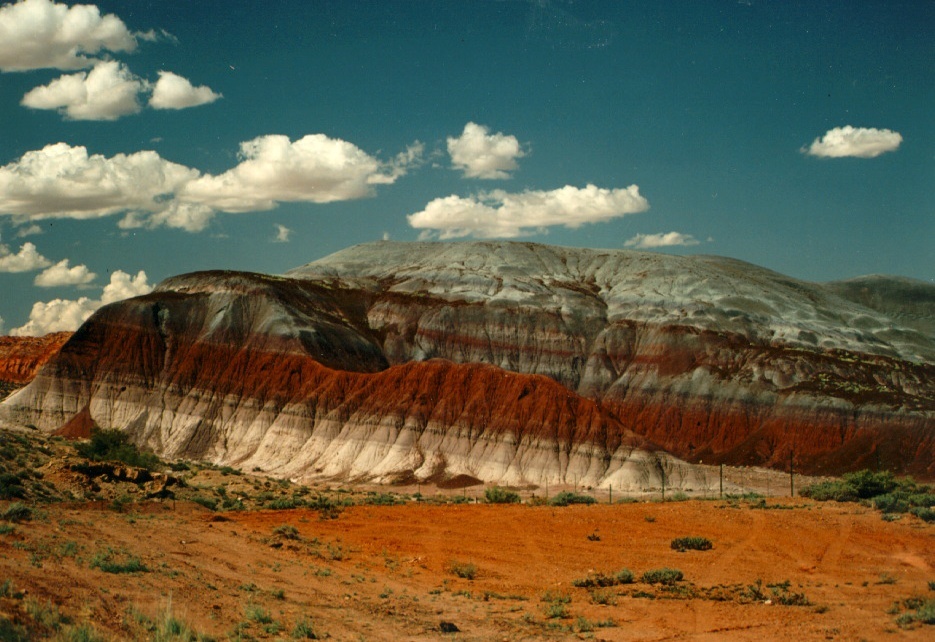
511, 363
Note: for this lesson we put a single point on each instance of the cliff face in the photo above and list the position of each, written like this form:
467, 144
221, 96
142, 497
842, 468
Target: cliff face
21, 358
506, 362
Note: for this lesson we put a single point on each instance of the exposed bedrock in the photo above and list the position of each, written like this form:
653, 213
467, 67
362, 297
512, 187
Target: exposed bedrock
509, 362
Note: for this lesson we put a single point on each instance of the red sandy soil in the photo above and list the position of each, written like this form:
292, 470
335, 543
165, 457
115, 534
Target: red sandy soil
385, 572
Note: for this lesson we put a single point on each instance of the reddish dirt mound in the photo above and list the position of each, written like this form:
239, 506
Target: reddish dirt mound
398, 572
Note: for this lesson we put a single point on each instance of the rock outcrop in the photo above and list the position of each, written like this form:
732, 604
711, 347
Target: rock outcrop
507, 362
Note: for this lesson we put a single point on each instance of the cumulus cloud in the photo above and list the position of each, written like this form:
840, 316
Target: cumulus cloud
60, 274
26, 260
60, 181
107, 92
61, 315
663, 239
175, 92
501, 214
313, 169
29, 230
480, 154
38, 34
858, 142
282, 234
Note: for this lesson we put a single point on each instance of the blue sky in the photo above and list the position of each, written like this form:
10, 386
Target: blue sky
171, 136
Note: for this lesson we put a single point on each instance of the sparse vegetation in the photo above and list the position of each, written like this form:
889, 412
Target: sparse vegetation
693, 543
666, 576
464, 570
110, 561
599, 580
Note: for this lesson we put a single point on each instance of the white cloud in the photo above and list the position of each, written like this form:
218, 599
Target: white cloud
124, 286
282, 233
60, 274
60, 181
313, 169
67, 315
175, 92
480, 154
859, 142
663, 239
107, 92
37, 34
500, 214
29, 230
26, 260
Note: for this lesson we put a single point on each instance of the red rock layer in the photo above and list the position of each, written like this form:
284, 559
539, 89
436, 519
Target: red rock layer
21, 357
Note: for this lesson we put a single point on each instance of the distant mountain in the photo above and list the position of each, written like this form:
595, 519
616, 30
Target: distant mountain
506, 362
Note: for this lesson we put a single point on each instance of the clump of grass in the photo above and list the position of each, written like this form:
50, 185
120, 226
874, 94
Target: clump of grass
210, 503
16, 512
304, 630
693, 543
556, 605
604, 596
286, 531
256, 613
566, 498
498, 495
464, 570
110, 561
665, 576
596, 580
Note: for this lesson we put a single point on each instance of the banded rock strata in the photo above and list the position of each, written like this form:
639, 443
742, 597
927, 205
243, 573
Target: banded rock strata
505, 362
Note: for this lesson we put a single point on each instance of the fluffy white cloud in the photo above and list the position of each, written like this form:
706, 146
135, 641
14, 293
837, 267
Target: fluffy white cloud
60, 274
480, 154
500, 214
107, 92
313, 169
60, 181
26, 260
663, 239
36, 34
282, 234
859, 142
124, 286
175, 92
67, 315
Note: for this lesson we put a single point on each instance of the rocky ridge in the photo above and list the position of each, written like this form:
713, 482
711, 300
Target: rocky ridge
507, 362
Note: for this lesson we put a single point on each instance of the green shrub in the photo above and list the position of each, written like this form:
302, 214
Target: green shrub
256, 613
16, 512
682, 544
595, 580
667, 576
11, 486
287, 531
498, 495
925, 514
114, 445
283, 503
208, 502
565, 498
464, 570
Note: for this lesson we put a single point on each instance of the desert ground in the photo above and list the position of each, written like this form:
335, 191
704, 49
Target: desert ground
95, 559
